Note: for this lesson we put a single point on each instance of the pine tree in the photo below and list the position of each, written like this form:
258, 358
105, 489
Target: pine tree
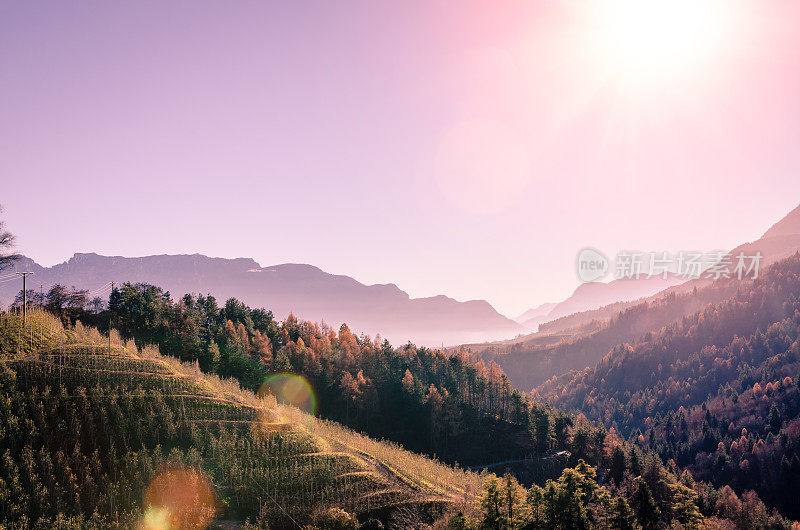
645, 506
774, 419
7, 258
617, 466
621, 516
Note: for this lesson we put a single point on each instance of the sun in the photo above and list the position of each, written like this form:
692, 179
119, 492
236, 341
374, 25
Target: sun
644, 41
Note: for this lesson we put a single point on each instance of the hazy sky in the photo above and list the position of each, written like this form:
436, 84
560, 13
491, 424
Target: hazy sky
468, 149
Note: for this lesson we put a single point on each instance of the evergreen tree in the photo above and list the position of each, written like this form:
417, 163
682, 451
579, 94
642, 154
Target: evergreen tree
644, 505
774, 419
621, 516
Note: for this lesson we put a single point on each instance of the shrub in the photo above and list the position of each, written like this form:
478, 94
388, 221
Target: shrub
335, 519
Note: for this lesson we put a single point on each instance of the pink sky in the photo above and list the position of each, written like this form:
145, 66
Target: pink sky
468, 149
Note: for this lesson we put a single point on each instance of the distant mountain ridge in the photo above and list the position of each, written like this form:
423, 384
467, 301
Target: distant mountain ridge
582, 339
778, 242
594, 295
305, 290
533, 317
591, 296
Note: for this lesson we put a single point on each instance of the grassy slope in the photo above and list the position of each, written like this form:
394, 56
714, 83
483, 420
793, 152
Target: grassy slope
263, 460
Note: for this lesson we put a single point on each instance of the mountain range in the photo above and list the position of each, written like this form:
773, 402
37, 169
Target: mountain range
304, 290
594, 295
581, 339
313, 294
779, 242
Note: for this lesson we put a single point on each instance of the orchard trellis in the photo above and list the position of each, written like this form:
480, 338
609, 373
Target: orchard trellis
272, 461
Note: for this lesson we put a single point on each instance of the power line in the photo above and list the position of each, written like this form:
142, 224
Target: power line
99, 292
86, 293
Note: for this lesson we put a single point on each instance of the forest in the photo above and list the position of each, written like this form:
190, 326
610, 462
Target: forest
95, 433
433, 402
461, 412
716, 392
123, 437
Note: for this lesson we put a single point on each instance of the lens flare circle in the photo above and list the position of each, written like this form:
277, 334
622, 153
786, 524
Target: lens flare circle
178, 498
291, 389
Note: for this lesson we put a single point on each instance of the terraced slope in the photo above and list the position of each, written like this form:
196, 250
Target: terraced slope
111, 436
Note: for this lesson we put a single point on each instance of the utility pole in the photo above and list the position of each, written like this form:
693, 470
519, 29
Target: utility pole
109, 317
24, 296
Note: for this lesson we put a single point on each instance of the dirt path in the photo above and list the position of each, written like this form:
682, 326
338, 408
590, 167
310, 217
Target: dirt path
414, 490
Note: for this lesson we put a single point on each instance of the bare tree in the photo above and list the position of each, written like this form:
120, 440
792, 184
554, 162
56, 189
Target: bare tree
35, 299
77, 298
97, 304
56, 299
7, 258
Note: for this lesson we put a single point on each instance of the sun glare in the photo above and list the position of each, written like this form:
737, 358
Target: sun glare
649, 40
292, 389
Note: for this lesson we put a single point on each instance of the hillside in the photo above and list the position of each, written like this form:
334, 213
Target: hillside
580, 339
124, 437
717, 392
431, 401
304, 290
594, 295
119, 437
530, 363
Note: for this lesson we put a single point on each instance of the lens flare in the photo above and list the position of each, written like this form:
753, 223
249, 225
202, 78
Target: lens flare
156, 518
650, 41
178, 498
292, 389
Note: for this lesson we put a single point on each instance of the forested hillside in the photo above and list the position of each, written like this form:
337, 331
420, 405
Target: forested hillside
182, 423
716, 392
529, 363
430, 401
101, 438
122, 437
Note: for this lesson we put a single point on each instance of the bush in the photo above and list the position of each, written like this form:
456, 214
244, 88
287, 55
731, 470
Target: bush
335, 519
